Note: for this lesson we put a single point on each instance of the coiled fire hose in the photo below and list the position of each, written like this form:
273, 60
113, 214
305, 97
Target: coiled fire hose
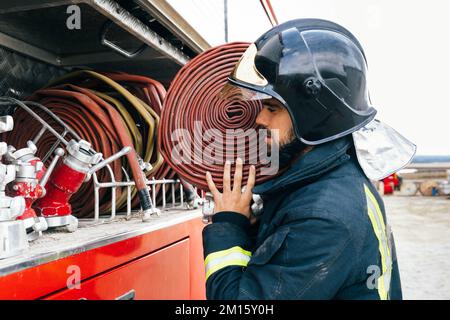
193, 97
153, 94
104, 113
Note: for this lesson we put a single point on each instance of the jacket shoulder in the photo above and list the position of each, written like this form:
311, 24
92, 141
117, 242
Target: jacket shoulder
337, 196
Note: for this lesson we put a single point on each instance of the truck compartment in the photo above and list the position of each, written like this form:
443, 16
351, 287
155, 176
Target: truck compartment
159, 258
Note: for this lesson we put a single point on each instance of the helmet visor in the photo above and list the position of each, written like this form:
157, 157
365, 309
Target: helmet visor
233, 92
245, 70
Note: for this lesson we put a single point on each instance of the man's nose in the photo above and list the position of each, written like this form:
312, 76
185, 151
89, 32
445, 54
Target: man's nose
263, 118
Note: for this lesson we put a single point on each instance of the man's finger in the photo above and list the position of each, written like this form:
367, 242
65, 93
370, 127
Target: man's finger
211, 185
227, 176
237, 180
250, 183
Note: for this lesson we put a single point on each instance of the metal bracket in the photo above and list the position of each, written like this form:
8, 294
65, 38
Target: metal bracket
106, 27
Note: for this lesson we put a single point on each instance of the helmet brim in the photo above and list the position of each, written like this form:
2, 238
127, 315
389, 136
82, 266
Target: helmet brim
234, 92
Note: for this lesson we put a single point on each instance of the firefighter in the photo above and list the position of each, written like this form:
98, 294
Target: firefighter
323, 231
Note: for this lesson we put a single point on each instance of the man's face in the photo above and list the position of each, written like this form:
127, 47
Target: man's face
275, 116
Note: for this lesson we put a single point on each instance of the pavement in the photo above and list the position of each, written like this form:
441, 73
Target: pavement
421, 227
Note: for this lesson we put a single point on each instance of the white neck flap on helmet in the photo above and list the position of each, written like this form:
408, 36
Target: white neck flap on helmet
381, 150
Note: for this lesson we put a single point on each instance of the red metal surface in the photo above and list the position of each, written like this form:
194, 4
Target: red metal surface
31, 192
49, 278
63, 183
160, 275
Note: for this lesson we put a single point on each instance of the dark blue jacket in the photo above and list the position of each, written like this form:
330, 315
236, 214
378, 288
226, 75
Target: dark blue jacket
322, 235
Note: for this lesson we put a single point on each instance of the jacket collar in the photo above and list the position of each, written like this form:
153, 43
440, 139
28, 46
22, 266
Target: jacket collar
319, 160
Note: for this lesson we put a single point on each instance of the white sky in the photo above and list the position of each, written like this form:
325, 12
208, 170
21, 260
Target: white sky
407, 44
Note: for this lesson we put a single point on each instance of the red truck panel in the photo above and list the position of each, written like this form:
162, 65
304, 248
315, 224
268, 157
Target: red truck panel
46, 279
160, 275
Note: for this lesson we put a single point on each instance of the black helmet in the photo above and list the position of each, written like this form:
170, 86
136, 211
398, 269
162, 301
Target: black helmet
316, 69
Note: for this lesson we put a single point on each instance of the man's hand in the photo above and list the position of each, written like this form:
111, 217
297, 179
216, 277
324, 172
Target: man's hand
233, 200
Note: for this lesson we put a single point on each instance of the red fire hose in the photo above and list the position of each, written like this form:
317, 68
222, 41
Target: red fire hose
152, 93
104, 113
193, 97
146, 89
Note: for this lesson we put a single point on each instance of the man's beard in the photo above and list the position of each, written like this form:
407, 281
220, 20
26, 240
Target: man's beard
290, 150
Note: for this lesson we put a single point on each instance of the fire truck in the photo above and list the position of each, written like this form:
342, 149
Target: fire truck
96, 226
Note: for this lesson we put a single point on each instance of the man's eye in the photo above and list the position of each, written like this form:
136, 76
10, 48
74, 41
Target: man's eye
271, 109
